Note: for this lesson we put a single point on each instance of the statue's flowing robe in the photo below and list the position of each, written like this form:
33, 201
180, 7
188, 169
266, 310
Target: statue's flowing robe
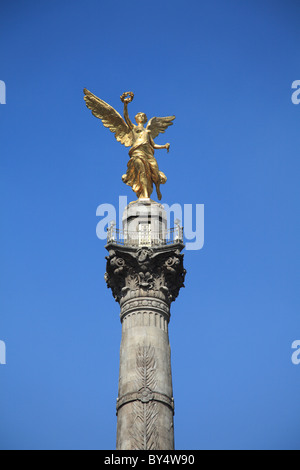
142, 168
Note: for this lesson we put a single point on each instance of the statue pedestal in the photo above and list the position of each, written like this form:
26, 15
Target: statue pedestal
145, 275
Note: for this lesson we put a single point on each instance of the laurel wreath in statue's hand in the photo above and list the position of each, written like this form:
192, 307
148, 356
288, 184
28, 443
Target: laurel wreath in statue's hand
127, 97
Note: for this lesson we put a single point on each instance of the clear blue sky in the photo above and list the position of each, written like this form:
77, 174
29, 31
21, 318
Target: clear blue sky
225, 69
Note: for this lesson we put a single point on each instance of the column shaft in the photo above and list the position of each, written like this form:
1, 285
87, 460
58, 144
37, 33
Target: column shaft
145, 405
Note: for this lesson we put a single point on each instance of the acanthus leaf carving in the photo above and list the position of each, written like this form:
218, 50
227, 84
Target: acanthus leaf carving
146, 270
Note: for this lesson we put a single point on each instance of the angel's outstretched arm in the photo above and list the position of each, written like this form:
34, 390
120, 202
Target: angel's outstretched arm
126, 116
157, 147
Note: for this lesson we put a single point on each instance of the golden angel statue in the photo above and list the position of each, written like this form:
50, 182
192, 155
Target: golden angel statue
142, 168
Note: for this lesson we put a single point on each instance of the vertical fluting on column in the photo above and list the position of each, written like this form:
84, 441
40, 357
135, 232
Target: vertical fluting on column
145, 280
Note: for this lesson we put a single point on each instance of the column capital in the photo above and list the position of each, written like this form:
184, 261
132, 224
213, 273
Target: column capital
145, 272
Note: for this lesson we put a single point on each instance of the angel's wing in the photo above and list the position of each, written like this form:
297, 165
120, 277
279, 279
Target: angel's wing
109, 117
158, 125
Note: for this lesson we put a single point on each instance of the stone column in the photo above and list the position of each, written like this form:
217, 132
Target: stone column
145, 272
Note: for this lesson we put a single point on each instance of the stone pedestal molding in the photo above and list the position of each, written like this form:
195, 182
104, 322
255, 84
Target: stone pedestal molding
145, 281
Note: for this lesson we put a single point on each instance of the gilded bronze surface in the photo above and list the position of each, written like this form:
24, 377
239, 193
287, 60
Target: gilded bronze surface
142, 169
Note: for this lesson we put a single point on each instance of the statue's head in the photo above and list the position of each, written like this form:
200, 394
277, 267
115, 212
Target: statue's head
141, 118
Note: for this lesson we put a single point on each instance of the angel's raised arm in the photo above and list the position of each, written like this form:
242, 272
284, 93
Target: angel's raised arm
126, 98
126, 116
